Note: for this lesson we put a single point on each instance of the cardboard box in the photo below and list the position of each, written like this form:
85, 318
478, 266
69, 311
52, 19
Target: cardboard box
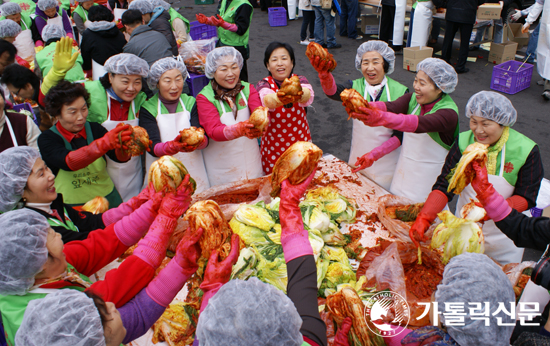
413, 55
369, 24
513, 33
488, 11
502, 52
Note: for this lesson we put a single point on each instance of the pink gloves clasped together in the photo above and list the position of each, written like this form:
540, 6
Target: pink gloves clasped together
216, 21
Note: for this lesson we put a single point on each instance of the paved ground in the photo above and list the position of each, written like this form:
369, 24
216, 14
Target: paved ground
327, 118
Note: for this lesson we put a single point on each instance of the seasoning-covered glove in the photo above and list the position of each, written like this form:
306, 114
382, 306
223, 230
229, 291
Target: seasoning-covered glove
341, 338
435, 203
327, 80
376, 154
172, 147
377, 117
240, 129
206, 20
428, 336
176, 204
495, 205
126, 208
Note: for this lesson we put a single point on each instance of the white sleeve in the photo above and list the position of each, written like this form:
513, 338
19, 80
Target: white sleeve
534, 13
32, 133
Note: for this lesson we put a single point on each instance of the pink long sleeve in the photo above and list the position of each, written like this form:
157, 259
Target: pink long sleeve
310, 101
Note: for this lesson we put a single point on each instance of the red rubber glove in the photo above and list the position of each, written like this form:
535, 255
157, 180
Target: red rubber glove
189, 251
495, 205
115, 214
175, 204
205, 20
435, 203
240, 129
376, 154
341, 338
327, 80
375, 117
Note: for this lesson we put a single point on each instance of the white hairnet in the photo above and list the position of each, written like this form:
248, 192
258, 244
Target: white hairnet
127, 64
15, 167
473, 277
249, 313
10, 8
376, 46
220, 55
442, 74
142, 6
52, 31
23, 250
161, 66
9, 28
62, 318
493, 106
161, 3
44, 5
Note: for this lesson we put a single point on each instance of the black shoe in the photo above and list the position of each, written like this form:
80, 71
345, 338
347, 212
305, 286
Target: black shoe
473, 48
338, 45
464, 70
324, 45
546, 95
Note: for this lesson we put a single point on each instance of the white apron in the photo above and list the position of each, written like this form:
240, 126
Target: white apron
236, 159
497, 245
364, 139
118, 12
543, 47
24, 43
98, 70
127, 176
418, 167
422, 23
10, 129
169, 126
399, 22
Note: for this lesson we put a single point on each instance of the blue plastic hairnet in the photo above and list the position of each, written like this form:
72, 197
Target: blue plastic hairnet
220, 55
376, 46
162, 65
15, 167
23, 250
142, 6
493, 106
62, 318
10, 8
9, 28
248, 313
52, 31
44, 5
475, 278
127, 64
442, 74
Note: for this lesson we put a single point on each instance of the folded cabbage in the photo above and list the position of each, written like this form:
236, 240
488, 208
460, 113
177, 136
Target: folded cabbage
463, 173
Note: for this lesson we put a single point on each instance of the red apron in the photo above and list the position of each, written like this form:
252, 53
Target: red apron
286, 126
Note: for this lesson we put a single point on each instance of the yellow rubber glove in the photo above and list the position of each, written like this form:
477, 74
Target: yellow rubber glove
63, 60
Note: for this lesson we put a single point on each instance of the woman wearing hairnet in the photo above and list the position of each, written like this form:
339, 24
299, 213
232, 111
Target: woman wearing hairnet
166, 114
35, 262
49, 12
375, 60
429, 122
514, 166
9, 30
23, 42
80, 14
224, 106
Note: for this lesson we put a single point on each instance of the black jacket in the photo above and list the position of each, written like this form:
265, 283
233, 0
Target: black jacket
162, 25
100, 45
464, 11
527, 232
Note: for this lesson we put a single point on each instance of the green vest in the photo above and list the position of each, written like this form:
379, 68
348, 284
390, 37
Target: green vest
28, 7
97, 110
518, 148
44, 58
229, 38
78, 187
25, 23
208, 92
396, 89
68, 224
151, 105
445, 102
65, 5
12, 308
82, 12
174, 14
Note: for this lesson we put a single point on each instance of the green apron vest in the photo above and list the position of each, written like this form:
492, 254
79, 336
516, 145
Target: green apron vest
208, 92
68, 224
82, 12
518, 148
97, 110
80, 186
174, 14
65, 5
151, 105
12, 308
445, 102
396, 89
44, 58
229, 38
28, 7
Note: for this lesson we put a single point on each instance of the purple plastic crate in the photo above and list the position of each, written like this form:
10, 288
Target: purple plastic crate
511, 77
196, 83
200, 31
536, 212
26, 106
277, 16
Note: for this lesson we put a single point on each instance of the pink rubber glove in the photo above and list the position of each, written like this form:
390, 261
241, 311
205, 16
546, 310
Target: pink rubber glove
171, 279
222, 23
495, 205
294, 237
172, 147
243, 128
131, 228
113, 215
218, 273
178, 203
377, 117
341, 338
376, 154
206, 20
327, 80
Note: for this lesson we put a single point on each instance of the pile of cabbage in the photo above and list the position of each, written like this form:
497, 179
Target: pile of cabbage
258, 225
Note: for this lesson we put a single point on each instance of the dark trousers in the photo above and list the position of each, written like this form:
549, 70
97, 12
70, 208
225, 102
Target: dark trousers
450, 31
386, 23
348, 18
265, 4
308, 20
244, 72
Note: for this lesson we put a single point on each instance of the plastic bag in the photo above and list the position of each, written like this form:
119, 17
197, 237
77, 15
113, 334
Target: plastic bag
193, 54
388, 271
